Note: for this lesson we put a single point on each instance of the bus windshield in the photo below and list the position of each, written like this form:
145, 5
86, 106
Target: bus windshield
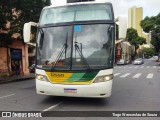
75, 47
85, 12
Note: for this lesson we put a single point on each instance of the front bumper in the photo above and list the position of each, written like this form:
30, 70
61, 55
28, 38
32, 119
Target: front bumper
120, 63
94, 90
137, 63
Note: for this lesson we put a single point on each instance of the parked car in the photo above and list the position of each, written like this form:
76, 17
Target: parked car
32, 68
138, 61
121, 62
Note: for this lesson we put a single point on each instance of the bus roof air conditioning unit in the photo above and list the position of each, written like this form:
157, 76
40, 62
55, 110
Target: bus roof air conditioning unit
73, 1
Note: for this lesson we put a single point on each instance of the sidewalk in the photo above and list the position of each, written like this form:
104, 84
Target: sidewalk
16, 78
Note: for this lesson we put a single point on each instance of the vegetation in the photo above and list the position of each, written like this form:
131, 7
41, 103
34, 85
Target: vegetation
148, 52
134, 39
13, 15
152, 24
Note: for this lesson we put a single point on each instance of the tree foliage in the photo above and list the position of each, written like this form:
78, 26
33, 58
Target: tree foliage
18, 12
152, 24
5, 14
148, 52
155, 39
133, 38
148, 24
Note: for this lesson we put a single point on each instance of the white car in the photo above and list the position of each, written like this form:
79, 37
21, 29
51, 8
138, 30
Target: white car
121, 62
138, 61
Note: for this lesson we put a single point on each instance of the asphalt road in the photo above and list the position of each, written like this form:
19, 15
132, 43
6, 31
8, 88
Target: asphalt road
135, 88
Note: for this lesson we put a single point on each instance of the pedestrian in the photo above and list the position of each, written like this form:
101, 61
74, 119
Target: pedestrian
20, 69
17, 68
13, 67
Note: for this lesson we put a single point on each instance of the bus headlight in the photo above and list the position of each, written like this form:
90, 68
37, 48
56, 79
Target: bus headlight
42, 78
103, 78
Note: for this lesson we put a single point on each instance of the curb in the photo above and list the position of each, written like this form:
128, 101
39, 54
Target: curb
15, 80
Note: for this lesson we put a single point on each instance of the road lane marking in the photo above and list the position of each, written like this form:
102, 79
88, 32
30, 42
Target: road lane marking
154, 66
116, 74
7, 96
125, 75
142, 67
137, 75
56, 105
148, 66
150, 76
136, 67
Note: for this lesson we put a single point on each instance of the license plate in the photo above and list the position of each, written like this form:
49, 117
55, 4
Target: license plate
70, 90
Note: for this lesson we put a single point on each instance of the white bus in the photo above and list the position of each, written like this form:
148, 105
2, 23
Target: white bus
75, 49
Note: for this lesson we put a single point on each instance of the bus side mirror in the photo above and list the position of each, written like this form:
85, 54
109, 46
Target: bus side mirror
27, 31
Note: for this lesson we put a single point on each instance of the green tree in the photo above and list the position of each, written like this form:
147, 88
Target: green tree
18, 12
5, 15
133, 38
148, 52
155, 39
152, 24
29, 10
148, 24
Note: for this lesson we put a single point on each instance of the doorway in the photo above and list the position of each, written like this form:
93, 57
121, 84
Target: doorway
16, 61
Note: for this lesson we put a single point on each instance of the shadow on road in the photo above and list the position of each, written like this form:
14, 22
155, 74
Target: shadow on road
76, 100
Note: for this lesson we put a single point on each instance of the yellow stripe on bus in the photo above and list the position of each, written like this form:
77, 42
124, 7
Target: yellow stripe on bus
58, 76
61, 77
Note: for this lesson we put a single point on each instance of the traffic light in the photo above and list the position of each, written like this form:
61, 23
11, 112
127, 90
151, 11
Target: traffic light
72, 1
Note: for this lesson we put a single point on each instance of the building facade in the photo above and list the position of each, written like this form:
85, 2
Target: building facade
126, 51
14, 58
135, 15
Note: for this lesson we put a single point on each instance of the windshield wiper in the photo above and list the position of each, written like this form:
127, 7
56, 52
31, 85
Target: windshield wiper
81, 54
60, 55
